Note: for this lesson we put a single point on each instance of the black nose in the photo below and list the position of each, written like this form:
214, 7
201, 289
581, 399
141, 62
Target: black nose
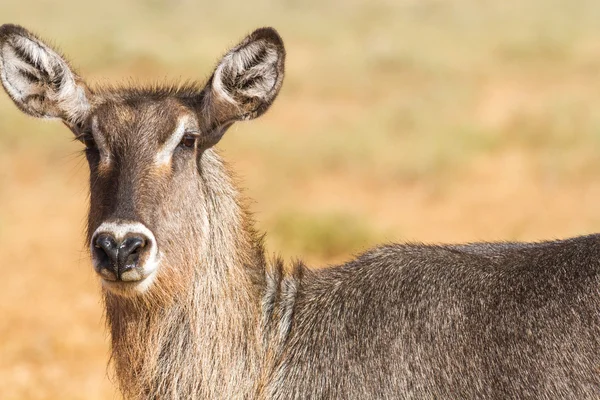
118, 256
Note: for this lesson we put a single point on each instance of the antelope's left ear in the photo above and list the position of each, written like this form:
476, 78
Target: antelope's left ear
38, 79
246, 81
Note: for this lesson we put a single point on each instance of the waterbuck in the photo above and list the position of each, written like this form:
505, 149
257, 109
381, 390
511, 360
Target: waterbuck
195, 310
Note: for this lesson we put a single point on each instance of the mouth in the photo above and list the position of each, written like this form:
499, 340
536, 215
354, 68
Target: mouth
129, 288
129, 275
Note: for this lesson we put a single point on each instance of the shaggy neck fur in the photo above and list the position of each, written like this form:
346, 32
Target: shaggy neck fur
204, 341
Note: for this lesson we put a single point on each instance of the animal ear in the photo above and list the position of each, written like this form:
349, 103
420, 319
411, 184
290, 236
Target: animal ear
38, 79
245, 82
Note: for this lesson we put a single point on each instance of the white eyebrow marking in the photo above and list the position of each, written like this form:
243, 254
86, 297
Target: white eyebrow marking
100, 141
166, 151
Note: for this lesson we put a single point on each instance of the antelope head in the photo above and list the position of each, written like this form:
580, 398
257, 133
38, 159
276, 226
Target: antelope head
148, 149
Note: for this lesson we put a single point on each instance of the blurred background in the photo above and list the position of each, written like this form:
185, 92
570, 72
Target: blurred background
433, 121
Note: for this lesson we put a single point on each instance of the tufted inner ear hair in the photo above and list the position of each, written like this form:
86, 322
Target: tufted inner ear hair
245, 82
38, 79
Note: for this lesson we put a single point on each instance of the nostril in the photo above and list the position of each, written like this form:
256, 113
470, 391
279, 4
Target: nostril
107, 247
129, 251
132, 244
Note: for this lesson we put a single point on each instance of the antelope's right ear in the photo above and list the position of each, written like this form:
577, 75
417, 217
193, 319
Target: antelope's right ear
38, 79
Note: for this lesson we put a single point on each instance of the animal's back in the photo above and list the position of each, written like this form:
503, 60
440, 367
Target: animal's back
476, 321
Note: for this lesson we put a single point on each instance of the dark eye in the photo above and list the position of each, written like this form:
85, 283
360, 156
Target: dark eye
88, 140
188, 140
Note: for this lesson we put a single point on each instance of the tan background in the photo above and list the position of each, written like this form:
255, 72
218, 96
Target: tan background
399, 120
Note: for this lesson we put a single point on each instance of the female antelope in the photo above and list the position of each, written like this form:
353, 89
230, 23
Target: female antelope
196, 312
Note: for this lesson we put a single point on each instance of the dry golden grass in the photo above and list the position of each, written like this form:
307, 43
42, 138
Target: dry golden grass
400, 120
